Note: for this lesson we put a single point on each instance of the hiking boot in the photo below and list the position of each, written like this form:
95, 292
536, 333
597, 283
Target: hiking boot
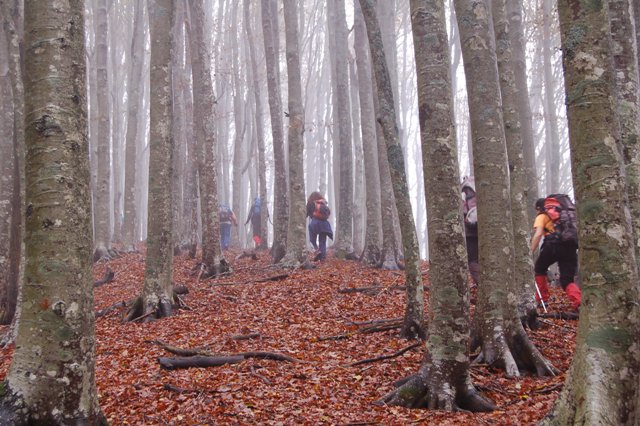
543, 288
575, 295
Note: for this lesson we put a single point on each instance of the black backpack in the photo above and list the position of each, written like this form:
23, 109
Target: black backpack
224, 214
562, 212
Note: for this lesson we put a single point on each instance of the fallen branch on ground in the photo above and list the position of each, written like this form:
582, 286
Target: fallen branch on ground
261, 280
560, 315
108, 277
383, 357
245, 336
111, 308
214, 361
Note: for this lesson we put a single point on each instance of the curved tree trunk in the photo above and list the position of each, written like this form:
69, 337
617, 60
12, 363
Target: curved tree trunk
413, 323
603, 374
52, 375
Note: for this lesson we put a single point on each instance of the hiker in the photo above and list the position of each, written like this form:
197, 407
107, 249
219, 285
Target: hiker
319, 227
555, 248
254, 217
470, 213
227, 218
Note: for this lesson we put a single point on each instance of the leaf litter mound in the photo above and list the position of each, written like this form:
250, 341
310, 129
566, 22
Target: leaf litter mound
319, 317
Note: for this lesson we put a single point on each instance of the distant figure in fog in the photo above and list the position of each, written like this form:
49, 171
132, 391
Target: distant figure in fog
319, 227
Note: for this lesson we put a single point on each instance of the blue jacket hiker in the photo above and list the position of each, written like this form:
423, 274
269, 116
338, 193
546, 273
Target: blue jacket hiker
319, 226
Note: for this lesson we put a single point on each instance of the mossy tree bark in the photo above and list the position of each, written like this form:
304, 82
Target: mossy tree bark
604, 372
498, 330
52, 375
296, 237
443, 381
413, 322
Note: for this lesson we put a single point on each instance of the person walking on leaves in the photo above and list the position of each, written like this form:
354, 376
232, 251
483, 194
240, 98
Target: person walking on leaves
254, 217
555, 248
319, 227
227, 218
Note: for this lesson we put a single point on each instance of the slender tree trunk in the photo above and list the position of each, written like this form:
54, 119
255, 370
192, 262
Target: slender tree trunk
413, 323
552, 145
281, 203
372, 243
296, 237
157, 293
135, 104
52, 373
604, 370
523, 265
212, 257
103, 140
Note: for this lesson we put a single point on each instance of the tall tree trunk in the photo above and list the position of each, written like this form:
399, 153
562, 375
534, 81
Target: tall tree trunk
280, 191
52, 373
516, 33
504, 344
443, 381
604, 372
262, 163
239, 119
296, 237
344, 215
413, 323
552, 140
372, 254
103, 140
212, 257
523, 265
135, 105
157, 293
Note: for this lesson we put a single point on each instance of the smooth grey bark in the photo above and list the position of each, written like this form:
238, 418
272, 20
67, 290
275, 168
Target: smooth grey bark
516, 33
372, 254
359, 191
239, 120
296, 237
523, 265
102, 206
259, 124
499, 332
280, 188
552, 139
603, 374
413, 322
51, 379
443, 381
12, 23
135, 105
157, 293
342, 115
204, 104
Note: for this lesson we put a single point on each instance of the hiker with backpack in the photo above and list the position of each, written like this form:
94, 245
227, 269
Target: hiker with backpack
319, 227
470, 215
254, 217
227, 218
556, 222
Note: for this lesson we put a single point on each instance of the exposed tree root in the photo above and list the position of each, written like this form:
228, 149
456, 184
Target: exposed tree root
560, 315
101, 254
383, 357
414, 393
216, 270
247, 253
107, 278
112, 308
140, 312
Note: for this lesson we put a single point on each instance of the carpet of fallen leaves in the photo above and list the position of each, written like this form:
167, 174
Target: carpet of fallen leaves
303, 315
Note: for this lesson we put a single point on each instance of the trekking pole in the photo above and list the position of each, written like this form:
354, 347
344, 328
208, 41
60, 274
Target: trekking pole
540, 296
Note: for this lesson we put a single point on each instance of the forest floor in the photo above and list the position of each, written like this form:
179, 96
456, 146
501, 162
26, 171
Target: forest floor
305, 314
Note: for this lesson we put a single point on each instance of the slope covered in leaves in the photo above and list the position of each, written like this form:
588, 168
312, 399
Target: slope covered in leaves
309, 315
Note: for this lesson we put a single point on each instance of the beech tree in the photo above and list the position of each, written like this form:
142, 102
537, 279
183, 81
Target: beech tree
602, 381
413, 322
443, 381
157, 294
51, 379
